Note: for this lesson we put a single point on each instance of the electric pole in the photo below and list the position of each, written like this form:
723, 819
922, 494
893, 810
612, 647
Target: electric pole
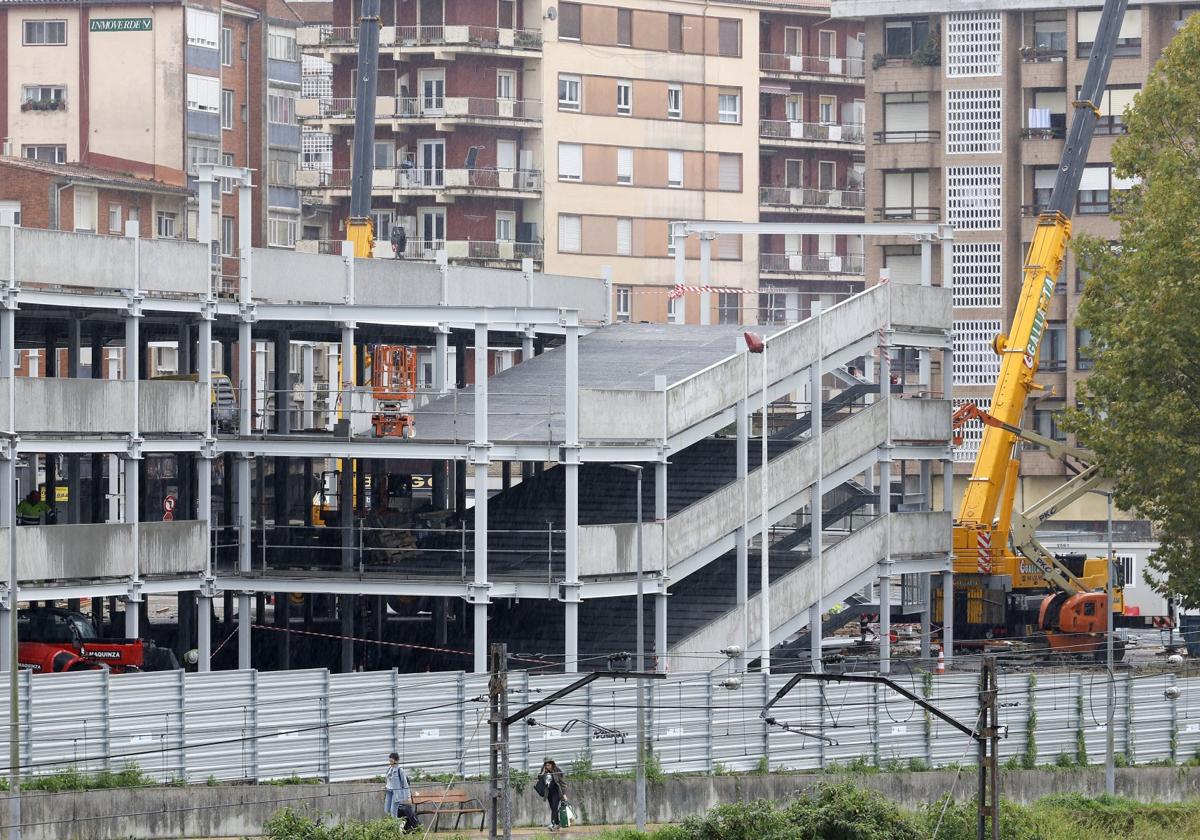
498, 795
988, 746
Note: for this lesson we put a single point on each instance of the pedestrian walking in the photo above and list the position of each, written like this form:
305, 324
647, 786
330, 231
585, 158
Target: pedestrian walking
397, 798
550, 786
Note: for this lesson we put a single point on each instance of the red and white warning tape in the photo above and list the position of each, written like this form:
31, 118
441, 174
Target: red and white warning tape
678, 291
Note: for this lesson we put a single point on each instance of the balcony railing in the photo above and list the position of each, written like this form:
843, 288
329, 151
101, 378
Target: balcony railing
1043, 133
423, 250
810, 65
908, 214
817, 199
814, 132
436, 107
486, 37
430, 180
811, 263
1035, 55
888, 137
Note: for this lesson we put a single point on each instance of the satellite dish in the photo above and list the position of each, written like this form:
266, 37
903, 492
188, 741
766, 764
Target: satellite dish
551, 13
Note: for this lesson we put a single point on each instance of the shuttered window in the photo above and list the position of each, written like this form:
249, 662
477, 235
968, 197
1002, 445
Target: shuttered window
570, 162
728, 246
624, 166
624, 237
569, 234
729, 173
674, 169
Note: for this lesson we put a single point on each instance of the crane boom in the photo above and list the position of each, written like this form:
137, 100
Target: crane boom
359, 228
1019, 349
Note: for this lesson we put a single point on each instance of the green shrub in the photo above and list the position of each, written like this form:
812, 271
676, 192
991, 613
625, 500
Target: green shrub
291, 825
1017, 822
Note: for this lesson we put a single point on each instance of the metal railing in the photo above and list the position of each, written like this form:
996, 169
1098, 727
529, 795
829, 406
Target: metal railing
811, 263
806, 197
814, 132
487, 37
811, 65
910, 214
1034, 55
1044, 133
437, 107
926, 136
409, 178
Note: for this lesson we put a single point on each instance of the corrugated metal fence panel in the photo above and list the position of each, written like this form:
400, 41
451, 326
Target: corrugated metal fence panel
847, 717
549, 741
1058, 717
958, 697
68, 722
518, 736
219, 712
429, 738
292, 723
1014, 715
1093, 710
362, 724
146, 723
1152, 719
735, 723
801, 709
476, 752
900, 724
613, 703
680, 731
1187, 718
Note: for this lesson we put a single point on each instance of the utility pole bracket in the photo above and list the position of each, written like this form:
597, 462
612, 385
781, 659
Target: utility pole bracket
478, 593
248, 312
133, 447
133, 594
479, 453
568, 591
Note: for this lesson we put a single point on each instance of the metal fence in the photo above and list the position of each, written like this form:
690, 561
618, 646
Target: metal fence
246, 725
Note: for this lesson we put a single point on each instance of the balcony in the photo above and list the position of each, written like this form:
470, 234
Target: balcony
443, 41
444, 112
792, 134
812, 67
896, 137
801, 199
908, 214
444, 184
797, 265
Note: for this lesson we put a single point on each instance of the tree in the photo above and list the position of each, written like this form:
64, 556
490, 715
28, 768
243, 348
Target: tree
1140, 408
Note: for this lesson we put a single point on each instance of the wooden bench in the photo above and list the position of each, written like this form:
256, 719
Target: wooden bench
445, 803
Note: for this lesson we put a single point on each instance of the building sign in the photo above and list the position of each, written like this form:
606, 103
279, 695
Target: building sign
143, 24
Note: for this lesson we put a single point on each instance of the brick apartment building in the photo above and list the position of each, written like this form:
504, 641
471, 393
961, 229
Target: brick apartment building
965, 116
152, 89
576, 138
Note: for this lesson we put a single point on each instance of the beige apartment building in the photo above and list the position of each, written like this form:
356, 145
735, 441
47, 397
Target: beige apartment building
966, 115
575, 133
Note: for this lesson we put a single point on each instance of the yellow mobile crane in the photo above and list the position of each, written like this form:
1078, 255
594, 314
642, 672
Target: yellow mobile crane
1005, 580
359, 228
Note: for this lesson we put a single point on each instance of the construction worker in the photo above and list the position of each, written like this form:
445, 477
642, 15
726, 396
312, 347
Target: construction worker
399, 239
32, 510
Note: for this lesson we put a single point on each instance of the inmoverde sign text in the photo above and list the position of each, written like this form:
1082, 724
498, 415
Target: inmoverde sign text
143, 24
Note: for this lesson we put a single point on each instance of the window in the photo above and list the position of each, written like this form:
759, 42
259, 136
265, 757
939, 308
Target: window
384, 154
729, 38
675, 169
1129, 38
227, 183
281, 44
826, 175
135, 214
675, 33
114, 218
45, 97
625, 27
203, 93
1048, 115
624, 237
1045, 423
570, 162
1083, 347
905, 117
793, 40
729, 246
281, 107
624, 302
793, 172
905, 195
624, 97
202, 28
1125, 568
973, 197
506, 84
282, 171
624, 166
976, 272
226, 46
973, 44
1050, 32
165, 224
670, 241
570, 234
568, 21
85, 210
568, 93
729, 308
1112, 108
904, 36
729, 173
1053, 353
228, 236
674, 102
826, 43
45, 33
903, 263
506, 226
381, 223
281, 231
729, 106
674, 310
827, 110
1094, 190
227, 109
975, 363
199, 151
793, 107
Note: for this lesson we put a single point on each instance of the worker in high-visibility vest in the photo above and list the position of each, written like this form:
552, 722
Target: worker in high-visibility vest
32, 510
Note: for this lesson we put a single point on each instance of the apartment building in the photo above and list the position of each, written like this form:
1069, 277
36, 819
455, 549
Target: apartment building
965, 118
639, 113
152, 90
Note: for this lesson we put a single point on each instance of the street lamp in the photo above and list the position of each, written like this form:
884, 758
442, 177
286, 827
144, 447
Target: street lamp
755, 344
1110, 783
636, 469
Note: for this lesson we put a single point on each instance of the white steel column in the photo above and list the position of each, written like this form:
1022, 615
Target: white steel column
948, 577
660, 600
706, 240
479, 595
246, 392
345, 495
815, 505
133, 365
570, 587
742, 537
8, 464
204, 502
764, 613
924, 367
308, 379
885, 511
441, 356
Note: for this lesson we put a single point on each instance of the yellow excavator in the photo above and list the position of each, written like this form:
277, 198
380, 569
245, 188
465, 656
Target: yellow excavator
1006, 582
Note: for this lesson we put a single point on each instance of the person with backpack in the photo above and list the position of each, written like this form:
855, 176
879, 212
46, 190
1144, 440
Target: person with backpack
550, 786
397, 799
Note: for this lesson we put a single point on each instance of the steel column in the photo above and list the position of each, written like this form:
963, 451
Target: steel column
480, 487
570, 593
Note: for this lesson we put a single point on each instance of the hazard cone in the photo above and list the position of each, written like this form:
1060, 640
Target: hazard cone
941, 663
